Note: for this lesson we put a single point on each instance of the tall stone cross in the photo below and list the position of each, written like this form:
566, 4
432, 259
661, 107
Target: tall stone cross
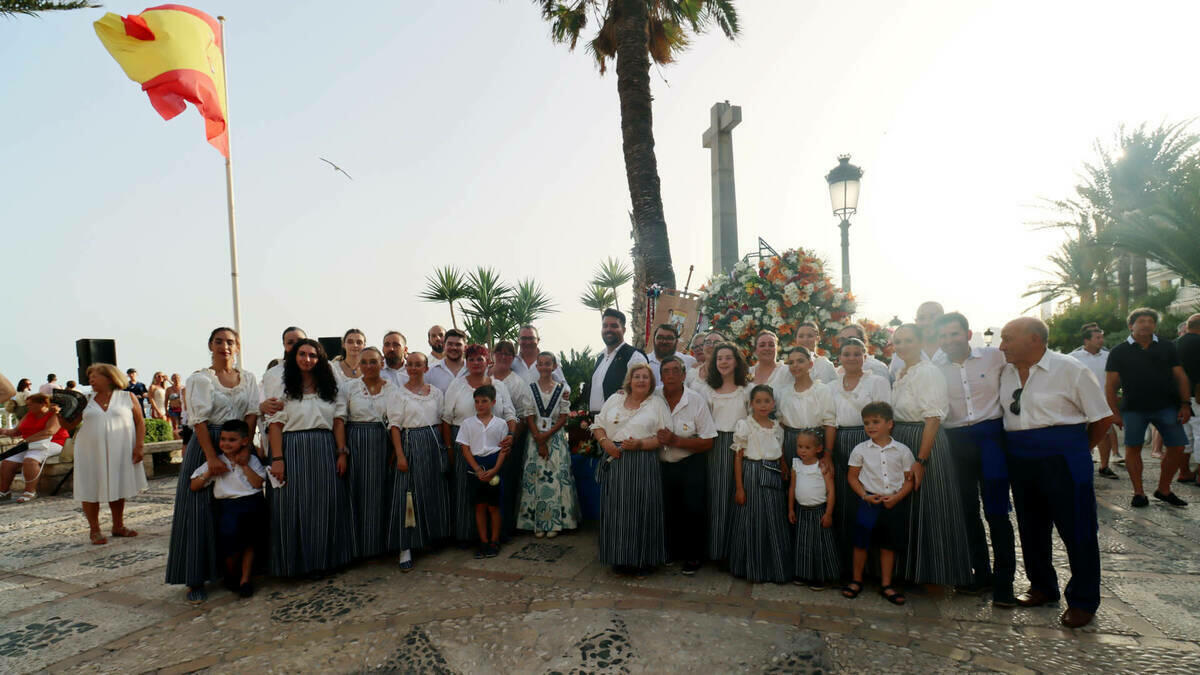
719, 140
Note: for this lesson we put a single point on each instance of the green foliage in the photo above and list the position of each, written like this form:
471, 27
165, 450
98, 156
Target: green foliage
445, 285
158, 431
1065, 326
577, 369
598, 298
493, 310
32, 7
611, 274
1167, 230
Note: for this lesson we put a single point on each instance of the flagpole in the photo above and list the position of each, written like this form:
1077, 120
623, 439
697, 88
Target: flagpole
233, 251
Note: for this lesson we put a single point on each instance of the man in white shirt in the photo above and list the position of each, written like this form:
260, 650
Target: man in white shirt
395, 350
437, 343
870, 363
528, 348
452, 365
50, 385
975, 428
1093, 355
1054, 412
612, 363
927, 314
666, 342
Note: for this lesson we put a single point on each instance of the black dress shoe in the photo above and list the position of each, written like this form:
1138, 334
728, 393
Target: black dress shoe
1076, 618
1139, 501
1170, 498
1106, 472
1035, 598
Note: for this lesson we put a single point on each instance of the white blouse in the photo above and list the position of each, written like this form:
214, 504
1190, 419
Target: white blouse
813, 407
920, 393
460, 402
210, 401
310, 412
728, 408
342, 377
406, 410
870, 388
521, 394
757, 441
356, 404
810, 483
620, 423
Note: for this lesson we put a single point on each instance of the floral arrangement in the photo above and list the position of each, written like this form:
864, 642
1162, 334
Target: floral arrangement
579, 435
777, 294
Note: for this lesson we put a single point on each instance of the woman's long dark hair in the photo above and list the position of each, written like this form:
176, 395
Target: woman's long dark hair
741, 372
293, 379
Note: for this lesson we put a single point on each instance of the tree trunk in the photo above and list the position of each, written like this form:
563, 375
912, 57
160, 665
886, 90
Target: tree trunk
1123, 284
1139, 282
651, 248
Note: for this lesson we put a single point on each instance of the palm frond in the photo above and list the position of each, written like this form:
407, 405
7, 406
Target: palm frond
598, 298
32, 7
530, 302
446, 284
612, 273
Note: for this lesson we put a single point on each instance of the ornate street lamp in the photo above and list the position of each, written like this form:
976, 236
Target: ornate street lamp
987, 337
843, 192
895, 322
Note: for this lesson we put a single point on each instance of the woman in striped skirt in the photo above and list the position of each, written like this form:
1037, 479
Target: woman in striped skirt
806, 405
726, 393
938, 551
632, 538
458, 406
853, 389
414, 413
215, 395
312, 516
360, 426
760, 545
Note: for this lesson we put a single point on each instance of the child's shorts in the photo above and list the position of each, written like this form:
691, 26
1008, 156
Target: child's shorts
883, 527
484, 493
240, 523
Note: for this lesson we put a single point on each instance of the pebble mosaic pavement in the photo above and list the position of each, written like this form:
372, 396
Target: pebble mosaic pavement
547, 606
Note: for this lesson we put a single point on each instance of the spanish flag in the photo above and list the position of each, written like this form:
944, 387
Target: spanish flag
175, 53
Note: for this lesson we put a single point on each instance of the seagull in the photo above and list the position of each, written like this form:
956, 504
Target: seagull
336, 167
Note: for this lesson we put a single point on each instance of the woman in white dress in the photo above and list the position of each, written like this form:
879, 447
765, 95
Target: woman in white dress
938, 551
345, 367
807, 405
360, 426
216, 395
728, 396
632, 538
108, 450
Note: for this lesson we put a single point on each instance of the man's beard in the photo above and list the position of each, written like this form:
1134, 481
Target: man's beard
611, 339
436, 348
392, 360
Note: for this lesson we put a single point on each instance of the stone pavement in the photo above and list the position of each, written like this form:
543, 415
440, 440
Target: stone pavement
546, 606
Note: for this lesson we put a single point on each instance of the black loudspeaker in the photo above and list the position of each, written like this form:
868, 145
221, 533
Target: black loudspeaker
92, 351
332, 346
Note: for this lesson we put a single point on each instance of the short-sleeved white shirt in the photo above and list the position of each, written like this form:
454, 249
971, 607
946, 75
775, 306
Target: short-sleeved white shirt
356, 404
483, 440
233, 483
813, 407
520, 394
757, 441
920, 393
1059, 391
459, 403
690, 418
409, 410
870, 388
211, 402
620, 423
882, 468
1095, 362
727, 408
309, 412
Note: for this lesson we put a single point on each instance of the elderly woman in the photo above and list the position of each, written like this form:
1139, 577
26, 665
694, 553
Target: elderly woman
345, 367
360, 426
938, 551
216, 394
44, 438
632, 537
312, 517
108, 450
458, 406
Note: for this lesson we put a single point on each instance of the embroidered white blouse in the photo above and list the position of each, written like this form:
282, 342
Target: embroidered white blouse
919, 393
211, 402
356, 404
620, 423
870, 388
407, 410
459, 403
757, 441
726, 408
310, 412
813, 407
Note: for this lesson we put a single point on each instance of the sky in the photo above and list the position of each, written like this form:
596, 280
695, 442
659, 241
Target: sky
474, 140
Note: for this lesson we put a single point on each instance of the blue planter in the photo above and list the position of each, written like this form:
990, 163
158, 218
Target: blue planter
584, 470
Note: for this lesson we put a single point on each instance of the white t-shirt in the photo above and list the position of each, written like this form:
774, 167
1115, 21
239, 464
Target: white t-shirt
233, 483
483, 440
882, 469
810, 483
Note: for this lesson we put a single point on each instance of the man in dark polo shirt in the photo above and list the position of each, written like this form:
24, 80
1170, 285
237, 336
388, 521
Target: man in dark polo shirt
1154, 390
1188, 346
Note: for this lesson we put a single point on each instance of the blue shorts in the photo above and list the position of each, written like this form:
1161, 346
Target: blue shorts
1166, 420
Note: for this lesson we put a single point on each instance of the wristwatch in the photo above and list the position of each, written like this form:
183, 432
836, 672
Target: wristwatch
923, 461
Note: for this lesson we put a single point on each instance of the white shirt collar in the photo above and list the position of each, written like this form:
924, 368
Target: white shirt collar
891, 444
1130, 339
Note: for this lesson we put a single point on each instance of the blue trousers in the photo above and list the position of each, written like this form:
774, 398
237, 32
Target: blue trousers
983, 472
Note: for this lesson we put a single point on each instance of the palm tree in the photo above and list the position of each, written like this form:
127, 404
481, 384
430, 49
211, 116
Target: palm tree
598, 298
633, 32
529, 302
1167, 231
446, 285
613, 274
32, 7
488, 302
1073, 275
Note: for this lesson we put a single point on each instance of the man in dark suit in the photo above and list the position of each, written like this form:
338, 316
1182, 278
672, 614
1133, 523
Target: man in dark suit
612, 363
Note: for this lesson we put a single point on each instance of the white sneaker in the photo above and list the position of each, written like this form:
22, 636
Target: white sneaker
552, 534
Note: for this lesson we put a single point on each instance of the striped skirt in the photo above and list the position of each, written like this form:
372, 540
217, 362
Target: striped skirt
312, 516
631, 511
938, 551
720, 495
192, 555
845, 502
463, 496
816, 549
760, 545
370, 483
426, 483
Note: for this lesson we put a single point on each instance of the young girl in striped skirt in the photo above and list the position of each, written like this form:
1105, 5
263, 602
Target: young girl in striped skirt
810, 509
806, 405
360, 426
414, 415
760, 545
727, 394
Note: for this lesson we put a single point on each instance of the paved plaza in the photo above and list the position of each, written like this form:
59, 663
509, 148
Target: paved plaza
547, 606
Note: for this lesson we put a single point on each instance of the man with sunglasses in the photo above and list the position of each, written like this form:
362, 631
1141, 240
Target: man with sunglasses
1054, 413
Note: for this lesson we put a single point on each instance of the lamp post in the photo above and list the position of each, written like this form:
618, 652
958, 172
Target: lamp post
987, 337
843, 192
895, 322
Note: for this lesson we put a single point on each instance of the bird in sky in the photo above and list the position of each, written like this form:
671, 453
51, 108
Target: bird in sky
336, 167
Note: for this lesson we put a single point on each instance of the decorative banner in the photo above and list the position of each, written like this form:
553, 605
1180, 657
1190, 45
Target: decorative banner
176, 54
681, 310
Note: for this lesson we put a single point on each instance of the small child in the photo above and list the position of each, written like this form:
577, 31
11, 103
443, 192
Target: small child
811, 511
239, 506
881, 475
480, 438
760, 544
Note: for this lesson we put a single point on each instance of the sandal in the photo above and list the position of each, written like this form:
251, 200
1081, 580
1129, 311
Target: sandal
124, 532
98, 538
26, 497
895, 597
852, 589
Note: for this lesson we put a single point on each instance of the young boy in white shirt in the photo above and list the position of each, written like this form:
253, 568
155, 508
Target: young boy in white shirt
239, 507
881, 475
480, 438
